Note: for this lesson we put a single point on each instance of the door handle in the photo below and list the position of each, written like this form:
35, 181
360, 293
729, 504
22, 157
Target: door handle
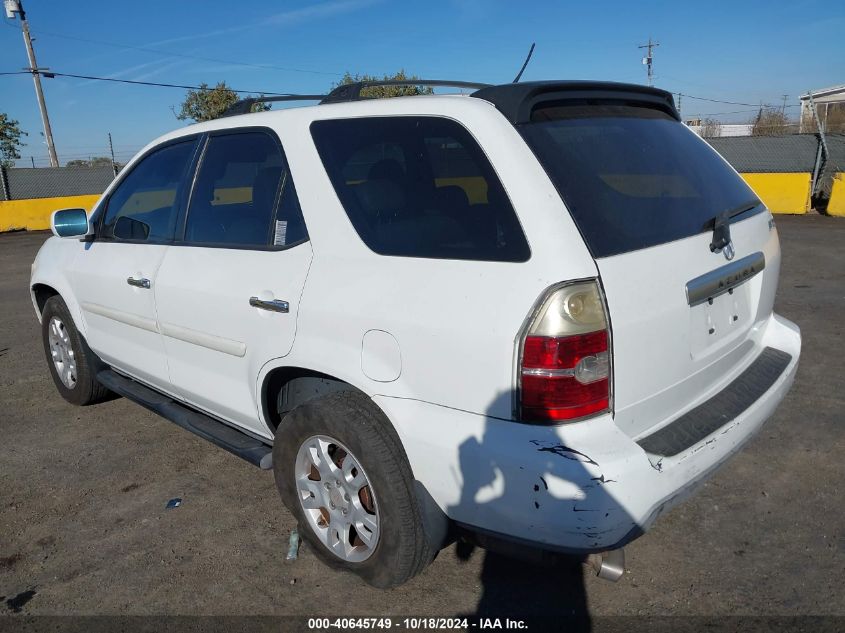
139, 283
276, 305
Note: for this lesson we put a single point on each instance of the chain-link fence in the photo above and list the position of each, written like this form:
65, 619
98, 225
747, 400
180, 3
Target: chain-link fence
824, 159
769, 154
790, 153
834, 162
53, 182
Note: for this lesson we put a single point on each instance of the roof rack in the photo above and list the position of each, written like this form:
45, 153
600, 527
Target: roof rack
348, 92
244, 106
515, 100
352, 92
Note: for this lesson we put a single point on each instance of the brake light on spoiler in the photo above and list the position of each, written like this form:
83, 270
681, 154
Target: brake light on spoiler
564, 357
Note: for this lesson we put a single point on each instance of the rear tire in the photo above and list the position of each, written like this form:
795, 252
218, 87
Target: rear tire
316, 455
72, 364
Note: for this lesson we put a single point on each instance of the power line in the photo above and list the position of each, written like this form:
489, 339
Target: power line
50, 74
735, 111
189, 56
721, 100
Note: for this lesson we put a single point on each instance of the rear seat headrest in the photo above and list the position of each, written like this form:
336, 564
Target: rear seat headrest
379, 196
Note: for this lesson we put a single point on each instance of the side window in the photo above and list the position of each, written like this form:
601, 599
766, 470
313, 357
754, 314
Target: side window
145, 205
244, 195
419, 187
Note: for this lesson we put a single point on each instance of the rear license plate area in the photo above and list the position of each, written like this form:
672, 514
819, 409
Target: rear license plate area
719, 320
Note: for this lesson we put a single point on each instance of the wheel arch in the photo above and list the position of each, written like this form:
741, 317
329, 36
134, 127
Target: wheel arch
437, 527
295, 385
41, 292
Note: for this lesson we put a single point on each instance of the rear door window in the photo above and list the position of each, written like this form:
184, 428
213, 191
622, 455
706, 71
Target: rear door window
419, 187
244, 195
633, 177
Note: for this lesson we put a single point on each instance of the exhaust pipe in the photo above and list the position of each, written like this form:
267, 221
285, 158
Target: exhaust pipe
608, 565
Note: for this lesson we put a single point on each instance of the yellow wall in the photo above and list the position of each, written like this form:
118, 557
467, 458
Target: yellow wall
782, 193
34, 215
836, 206
475, 187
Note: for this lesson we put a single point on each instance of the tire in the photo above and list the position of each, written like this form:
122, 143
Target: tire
359, 430
77, 381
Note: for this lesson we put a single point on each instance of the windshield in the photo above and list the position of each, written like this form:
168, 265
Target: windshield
632, 176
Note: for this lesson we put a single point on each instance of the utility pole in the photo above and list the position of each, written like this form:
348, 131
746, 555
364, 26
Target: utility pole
111, 150
679, 103
783, 107
12, 7
648, 59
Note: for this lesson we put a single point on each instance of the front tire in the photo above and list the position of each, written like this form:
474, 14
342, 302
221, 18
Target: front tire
71, 363
341, 470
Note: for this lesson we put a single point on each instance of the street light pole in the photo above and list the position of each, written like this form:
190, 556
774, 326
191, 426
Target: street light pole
12, 7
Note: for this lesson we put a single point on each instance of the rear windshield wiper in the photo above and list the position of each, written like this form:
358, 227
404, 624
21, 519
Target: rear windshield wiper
731, 213
721, 224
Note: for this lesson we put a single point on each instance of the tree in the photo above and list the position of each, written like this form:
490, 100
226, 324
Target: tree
769, 122
96, 161
381, 92
207, 103
10, 140
710, 128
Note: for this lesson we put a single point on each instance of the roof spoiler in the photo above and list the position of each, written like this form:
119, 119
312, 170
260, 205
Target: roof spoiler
518, 101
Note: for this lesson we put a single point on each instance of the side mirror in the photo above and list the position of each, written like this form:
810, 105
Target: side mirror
127, 228
69, 223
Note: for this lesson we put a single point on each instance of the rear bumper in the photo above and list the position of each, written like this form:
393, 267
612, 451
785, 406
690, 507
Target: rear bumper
577, 488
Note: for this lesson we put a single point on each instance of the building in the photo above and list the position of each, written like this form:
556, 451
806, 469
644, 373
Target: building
719, 130
830, 105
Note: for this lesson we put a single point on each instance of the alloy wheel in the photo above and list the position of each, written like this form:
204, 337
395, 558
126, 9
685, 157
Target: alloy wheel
337, 498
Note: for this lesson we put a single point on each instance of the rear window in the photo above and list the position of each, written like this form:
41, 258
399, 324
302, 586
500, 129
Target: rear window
243, 195
631, 176
419, 187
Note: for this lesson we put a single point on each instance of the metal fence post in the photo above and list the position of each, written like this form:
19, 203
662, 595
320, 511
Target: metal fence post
821, 158
816, 170
4, 183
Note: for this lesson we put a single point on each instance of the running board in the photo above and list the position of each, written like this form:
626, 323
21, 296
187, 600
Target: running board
223, 435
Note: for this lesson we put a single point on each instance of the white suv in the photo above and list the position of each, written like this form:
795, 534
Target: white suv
539, 314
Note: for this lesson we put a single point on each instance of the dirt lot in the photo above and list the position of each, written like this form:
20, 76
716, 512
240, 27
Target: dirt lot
84, 529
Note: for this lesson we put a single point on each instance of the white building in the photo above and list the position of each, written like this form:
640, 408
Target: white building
723, 129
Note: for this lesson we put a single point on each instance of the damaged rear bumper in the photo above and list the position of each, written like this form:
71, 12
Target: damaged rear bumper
577, 488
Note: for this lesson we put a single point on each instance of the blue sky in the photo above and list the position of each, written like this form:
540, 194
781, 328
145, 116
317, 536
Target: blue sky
738, 51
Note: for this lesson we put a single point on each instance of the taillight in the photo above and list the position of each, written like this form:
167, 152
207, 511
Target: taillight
565, 357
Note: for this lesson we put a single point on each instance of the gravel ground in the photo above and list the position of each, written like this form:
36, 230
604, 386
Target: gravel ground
84, 529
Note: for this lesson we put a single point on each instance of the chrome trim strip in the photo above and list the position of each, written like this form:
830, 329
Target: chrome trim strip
209, 341
548, 373
724, 279
122, 317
